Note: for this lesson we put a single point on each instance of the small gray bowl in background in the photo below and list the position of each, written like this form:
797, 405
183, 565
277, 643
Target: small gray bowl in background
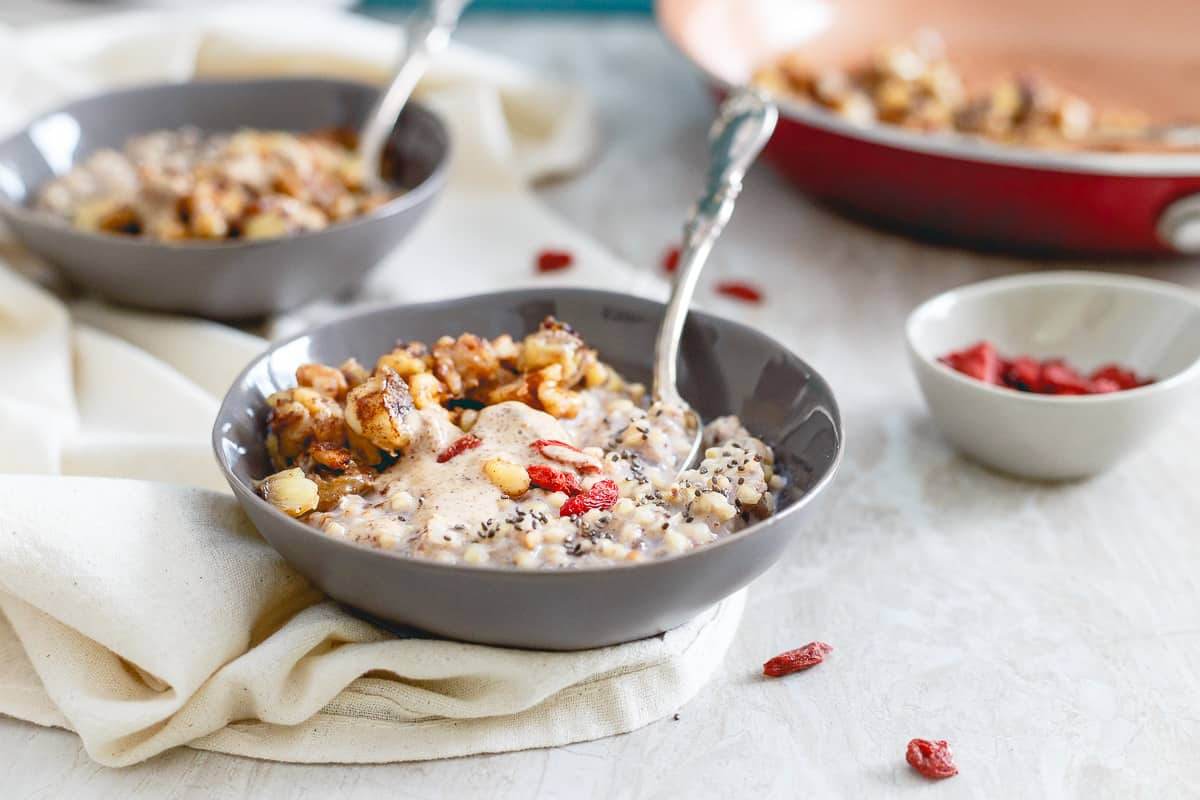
727, 368
232, 279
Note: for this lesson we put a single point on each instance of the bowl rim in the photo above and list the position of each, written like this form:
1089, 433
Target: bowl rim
227, 412
956, 146
1130, 284
406, 200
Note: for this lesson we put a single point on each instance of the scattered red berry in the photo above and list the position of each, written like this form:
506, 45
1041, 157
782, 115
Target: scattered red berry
740, 291
554, 260
468, 442
670, 260
553, 480
602, 495
796, 660
1027, 374
567, 454
932, 759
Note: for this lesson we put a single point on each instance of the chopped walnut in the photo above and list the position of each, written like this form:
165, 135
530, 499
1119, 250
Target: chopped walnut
914, 85
183, 184
465, 363
426, 390
406, 360
299, 417
354, 372
331, 456
556, 343
325, 380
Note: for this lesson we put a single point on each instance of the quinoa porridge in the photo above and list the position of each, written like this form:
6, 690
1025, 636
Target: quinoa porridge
527, 453
184, 184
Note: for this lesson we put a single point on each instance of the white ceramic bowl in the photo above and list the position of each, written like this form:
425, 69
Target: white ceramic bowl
1087, 318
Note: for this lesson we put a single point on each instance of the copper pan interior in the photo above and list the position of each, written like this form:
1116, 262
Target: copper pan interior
1116, 54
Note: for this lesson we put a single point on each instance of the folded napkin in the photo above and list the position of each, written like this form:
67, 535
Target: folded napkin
137, 605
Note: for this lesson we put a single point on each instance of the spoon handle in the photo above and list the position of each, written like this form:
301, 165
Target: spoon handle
743, 126
428, 35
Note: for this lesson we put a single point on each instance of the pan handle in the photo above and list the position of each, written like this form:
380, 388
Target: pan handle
1179, 224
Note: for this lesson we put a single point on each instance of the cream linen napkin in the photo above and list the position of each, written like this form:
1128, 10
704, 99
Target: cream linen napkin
139, 608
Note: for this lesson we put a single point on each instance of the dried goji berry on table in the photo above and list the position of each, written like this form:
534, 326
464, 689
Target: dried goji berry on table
554, 260
670, 259
933, 759
468, 442
567, 454
804, 657
603, 495
740, 291
553, 480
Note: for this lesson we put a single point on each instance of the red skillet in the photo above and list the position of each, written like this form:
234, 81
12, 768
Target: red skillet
1113, 53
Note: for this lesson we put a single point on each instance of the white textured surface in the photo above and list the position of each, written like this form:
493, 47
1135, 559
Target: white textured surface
1051, 634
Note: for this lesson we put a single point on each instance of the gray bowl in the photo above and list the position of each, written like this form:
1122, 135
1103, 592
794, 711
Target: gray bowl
224, 280
727, 368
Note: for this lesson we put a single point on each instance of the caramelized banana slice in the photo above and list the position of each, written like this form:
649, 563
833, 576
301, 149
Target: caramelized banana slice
381, 411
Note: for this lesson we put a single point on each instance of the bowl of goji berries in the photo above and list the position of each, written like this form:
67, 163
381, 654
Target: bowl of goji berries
1056, 375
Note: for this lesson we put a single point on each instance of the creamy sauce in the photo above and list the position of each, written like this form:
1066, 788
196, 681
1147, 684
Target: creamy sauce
452, 511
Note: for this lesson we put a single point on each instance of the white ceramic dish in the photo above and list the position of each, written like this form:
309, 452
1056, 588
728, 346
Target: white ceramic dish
1088, 318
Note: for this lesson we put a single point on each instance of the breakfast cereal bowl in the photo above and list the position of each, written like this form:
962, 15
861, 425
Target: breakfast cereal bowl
727, 369
1088, 319
225, 278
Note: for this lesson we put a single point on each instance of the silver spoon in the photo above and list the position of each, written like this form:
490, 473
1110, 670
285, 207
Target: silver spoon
744, 124
428, 35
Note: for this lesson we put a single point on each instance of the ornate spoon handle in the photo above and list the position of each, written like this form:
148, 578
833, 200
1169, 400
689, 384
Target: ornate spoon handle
428, 35
743, 126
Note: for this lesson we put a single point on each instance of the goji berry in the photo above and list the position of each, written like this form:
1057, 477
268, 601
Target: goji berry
1027, 374
801, 658
1103, 386
1123, 378
1024, 374
468, 442
553, 480
554, 260
931, 759
602, 495
1058, 378
978, 361
670, 260
740, 291
567, 454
